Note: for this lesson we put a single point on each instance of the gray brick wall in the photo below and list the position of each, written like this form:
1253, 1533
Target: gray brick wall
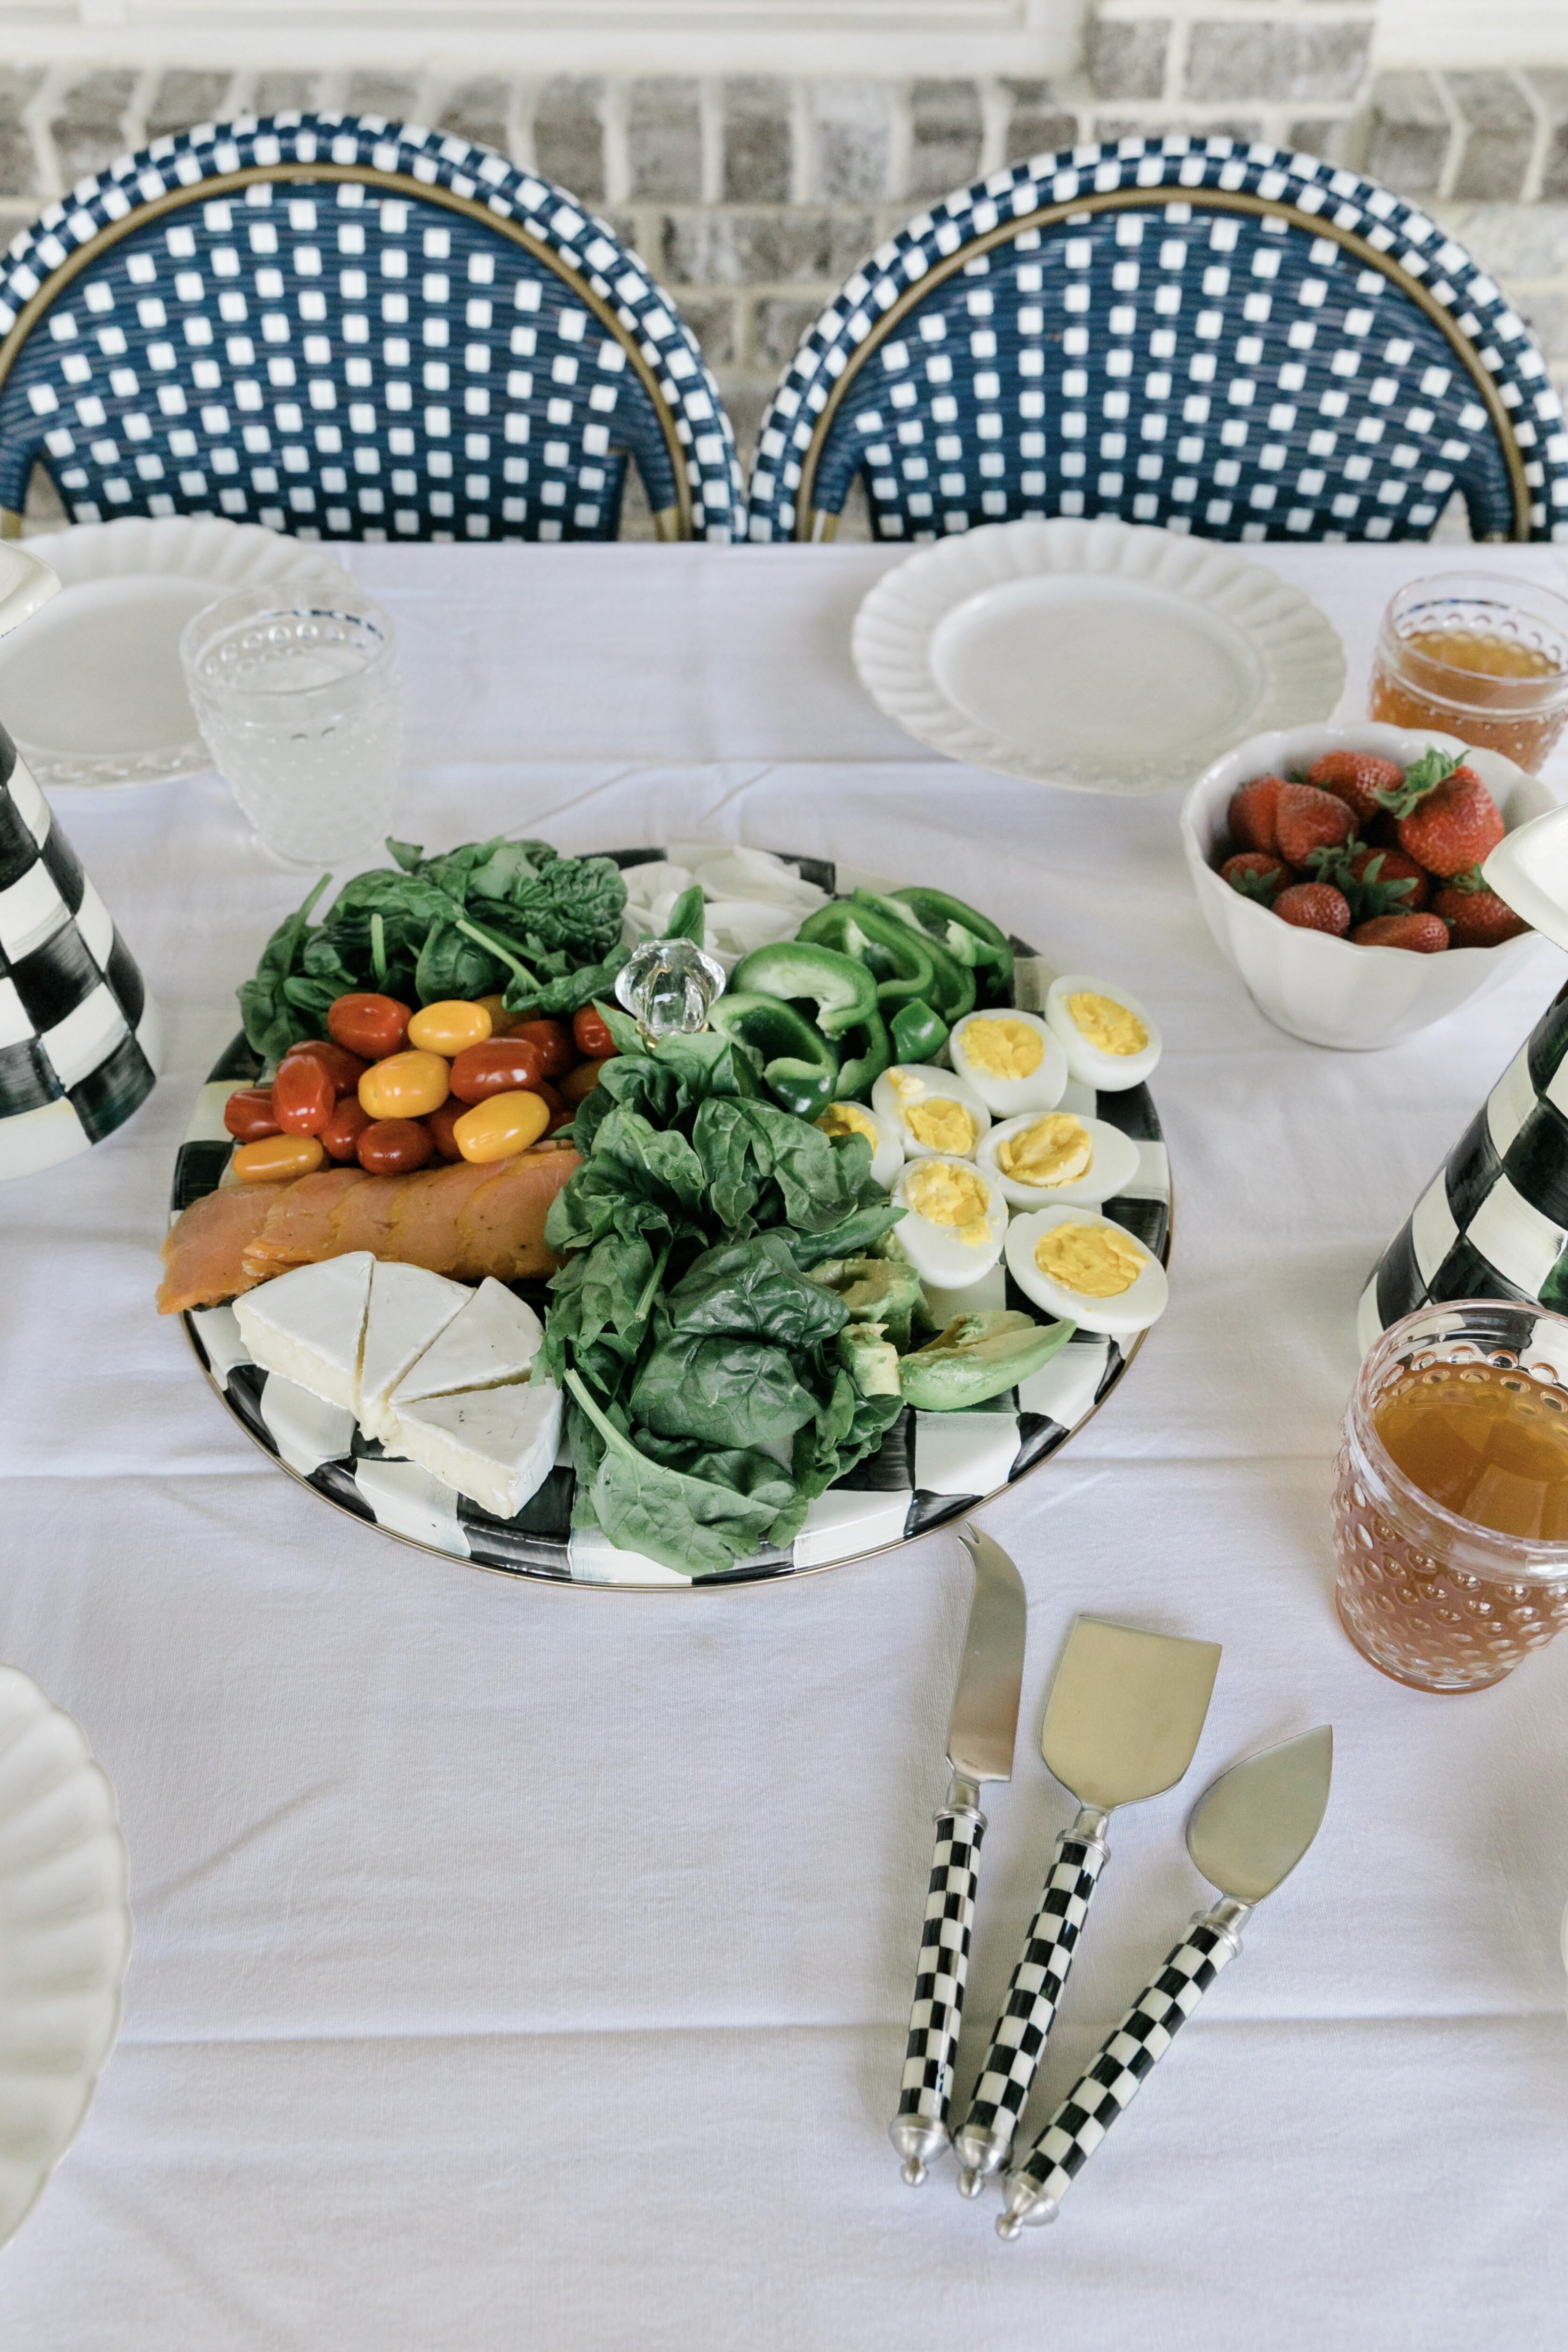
753, 197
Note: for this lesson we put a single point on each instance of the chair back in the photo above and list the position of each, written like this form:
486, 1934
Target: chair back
349, 329
1223, 340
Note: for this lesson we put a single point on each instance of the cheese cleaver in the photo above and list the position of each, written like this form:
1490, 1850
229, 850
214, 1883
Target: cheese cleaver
1124, 1715
979, 1740
1247, 1832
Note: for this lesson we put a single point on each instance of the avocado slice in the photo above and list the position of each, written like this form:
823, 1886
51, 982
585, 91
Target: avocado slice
870, 1360
978, 1357
876, 1290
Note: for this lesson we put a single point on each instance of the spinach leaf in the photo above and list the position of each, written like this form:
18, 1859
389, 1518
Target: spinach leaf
569, 992
698, 1511
756, 1286
851, 1238
659, 1160
686, 920
269, 1027
721, 1389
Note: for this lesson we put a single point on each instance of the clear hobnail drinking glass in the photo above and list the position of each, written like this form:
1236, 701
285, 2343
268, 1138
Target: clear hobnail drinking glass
1432, 1599
296, 691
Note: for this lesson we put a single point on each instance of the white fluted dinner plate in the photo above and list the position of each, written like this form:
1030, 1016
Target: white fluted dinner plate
65, 1938
1106, 656
91, 688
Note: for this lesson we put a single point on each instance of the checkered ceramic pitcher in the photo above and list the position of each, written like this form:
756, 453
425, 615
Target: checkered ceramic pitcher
1493, 1222
79, 1042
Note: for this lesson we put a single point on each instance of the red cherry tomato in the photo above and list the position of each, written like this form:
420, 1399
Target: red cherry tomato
441, 1123
554, 1040
342, 1130
505, 1065
247, 1113
344, 1069
394, 1147
372, 1026
303, 1095
592, 1033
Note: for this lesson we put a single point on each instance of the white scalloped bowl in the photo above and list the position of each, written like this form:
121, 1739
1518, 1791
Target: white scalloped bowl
65, 1938
1326, 990
1102, 656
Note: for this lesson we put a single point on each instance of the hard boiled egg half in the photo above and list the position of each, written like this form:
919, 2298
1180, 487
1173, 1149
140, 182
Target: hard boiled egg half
934, 1113
1109, 1039
1052, 1157
954, 1222
854, 1118
1080, 1265
1013, 1061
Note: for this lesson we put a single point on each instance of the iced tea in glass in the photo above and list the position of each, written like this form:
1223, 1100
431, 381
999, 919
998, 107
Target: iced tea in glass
1480, 657
1451, 1502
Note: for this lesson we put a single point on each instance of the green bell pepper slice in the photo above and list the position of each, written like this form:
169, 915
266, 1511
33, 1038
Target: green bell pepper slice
866, 1051
919, 1034
843, 991
893, 952
968, 934
798, 1064
952, 990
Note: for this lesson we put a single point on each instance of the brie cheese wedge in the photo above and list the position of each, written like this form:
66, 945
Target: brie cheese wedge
409, 1309
494, 1338
496, 1446
307, 1325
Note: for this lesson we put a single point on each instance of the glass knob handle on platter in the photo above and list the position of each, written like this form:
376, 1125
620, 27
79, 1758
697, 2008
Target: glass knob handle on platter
919, 2130
1034, 2189
668, 985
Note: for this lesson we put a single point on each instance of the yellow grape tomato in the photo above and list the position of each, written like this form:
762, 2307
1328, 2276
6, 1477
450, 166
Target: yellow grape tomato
447, 1027
405, 1085
273, 1156
501, 1127
496, 1007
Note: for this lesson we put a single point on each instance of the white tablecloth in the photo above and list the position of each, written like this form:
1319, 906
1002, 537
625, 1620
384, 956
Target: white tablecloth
519, 1966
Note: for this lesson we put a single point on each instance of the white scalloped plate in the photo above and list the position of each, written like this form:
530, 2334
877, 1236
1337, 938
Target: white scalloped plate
1106, 656
65, 1938
92, 691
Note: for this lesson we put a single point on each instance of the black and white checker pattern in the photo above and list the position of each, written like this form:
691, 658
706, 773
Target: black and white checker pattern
1125, 2063
930, 1468
339, 358
1183, 361
942, 1967
1493, 1222
1035, 1987
80, 1043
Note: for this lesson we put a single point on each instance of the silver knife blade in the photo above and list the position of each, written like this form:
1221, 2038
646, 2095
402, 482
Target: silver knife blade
985, 1725
1250, 1827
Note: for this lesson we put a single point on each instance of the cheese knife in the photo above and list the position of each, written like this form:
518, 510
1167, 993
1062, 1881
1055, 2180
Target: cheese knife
1124, 1715
979, 1740
1247, 1833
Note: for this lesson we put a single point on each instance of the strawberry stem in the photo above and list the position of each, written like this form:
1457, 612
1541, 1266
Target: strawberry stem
1423, 776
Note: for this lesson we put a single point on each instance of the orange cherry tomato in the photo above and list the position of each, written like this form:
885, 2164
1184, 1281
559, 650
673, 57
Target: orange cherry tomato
344, 1069
247, 1113
501, 1067
502, 1125
592, 1033
554, 1040
372, 1026
278, 1155
394, 1147
343, 1129
303, 1095
579, 1083
405, 1085
441, 1123
447, 1027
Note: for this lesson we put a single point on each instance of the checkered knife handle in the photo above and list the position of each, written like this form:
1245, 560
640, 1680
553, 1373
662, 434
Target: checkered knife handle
920, 2128
1033, 1993
1034, 2189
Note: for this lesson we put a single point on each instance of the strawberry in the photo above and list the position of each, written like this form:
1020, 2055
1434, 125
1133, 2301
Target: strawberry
1255, 874
1305, 819
1401, 886
1422, 934
1447, 818
1314, 906
1252, 813
1356, 778
1477, 917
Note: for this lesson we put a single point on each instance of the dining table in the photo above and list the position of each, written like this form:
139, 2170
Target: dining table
529, 1965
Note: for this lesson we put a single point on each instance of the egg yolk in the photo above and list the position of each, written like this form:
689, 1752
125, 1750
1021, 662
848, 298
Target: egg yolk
942, 1123
950, 1196
1054, 1151
1108, 1025
848, 1119
1089, 1259
1004, 1049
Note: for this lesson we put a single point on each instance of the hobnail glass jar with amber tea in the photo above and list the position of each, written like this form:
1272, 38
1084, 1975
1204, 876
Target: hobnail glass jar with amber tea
1480, 657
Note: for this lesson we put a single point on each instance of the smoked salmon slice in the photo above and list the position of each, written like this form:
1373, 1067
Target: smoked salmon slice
204, 1252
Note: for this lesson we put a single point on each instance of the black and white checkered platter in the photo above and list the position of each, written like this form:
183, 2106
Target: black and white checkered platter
931, 1467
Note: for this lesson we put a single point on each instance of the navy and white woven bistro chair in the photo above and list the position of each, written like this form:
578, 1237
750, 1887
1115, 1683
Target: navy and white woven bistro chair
1221, 339
350, 328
